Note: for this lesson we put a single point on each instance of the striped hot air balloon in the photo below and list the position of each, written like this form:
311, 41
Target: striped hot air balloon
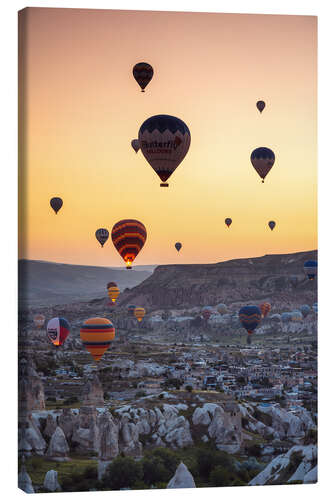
265, 307
310, 269
96, 336
57, 330
143, 73
130, 309
39, 320
113, 292
139, 313
262, 160
250, 317
129, 236
164, 142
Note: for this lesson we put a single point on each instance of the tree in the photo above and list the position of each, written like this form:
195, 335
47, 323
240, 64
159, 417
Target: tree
154, 470
219, 476
189, 388
123, 472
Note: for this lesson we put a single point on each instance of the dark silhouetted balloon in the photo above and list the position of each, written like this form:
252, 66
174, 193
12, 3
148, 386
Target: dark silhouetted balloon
164, 142
261, 106
143, 73
135, 145
228, 221
178, 246
262, 160
271, 225
56, 204
102, 235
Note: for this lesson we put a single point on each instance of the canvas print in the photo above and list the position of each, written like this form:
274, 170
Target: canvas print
167, 250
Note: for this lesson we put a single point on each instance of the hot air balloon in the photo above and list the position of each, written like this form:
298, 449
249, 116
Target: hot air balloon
143, 73
310, 269
96, 336
102, 235
261, 106
286, 317
39, 320
135, 145
296, 316
262, 159
178, 246
130, 309
228, 221
56, 204
128, 237
276, 318
271, 225
207, 312
250, 317
265, 307
139, 313
57, 330
222, 309
164, 141
305, 310
113, 292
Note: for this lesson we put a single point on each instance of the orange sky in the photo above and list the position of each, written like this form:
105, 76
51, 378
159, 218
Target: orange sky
83, 107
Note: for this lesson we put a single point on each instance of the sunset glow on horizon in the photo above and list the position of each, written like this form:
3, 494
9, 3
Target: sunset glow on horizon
83, 108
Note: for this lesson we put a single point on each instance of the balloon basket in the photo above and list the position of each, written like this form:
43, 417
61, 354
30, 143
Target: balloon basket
164, 184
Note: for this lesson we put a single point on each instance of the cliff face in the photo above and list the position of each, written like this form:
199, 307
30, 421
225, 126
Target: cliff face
234, 281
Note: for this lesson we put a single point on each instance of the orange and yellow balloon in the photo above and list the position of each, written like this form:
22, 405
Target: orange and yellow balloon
139, 313
113, 291
96, 336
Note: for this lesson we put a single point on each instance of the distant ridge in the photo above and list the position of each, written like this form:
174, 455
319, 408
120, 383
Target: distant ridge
43, 283
235, 281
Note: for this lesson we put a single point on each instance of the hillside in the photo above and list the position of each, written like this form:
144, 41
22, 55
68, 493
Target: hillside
50, 283
232, 282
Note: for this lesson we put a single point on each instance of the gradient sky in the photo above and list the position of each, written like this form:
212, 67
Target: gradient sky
83, 107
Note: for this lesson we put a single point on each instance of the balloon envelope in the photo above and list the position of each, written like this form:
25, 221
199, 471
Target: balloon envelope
261, 106
56, 204
139, 313
262, 160
222, 309
130, 309
164, 142
178, 246
135, 145
113, 292
228, 221
128, 236
57, 330
102, 235
250, 317
271, 225
143, 73
39, 320
96, 336
310, 269
265, 307
305, 310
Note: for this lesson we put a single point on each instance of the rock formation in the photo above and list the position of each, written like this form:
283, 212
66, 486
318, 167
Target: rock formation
295, 465
93, 393
51, 481
24, 480
58, 447
182, 478
30, 388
